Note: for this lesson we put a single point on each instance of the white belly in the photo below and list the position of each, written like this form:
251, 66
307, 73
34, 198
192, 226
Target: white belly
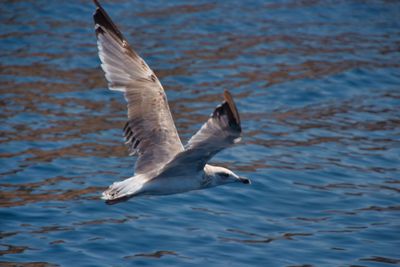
172, 185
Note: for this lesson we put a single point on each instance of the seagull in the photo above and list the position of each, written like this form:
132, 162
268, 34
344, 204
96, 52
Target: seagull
163, 166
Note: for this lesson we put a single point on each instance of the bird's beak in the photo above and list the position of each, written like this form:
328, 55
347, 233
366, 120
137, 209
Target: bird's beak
244, 180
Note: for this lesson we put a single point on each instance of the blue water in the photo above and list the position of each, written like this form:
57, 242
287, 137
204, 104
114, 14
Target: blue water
317, 84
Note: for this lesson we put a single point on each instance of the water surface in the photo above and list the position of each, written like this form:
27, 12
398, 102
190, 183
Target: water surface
317, 84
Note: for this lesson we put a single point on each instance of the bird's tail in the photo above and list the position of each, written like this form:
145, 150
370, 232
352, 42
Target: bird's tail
123, 190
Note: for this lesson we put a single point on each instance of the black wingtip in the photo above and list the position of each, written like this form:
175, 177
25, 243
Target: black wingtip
233, 112
97, 3
228, 108
101, 18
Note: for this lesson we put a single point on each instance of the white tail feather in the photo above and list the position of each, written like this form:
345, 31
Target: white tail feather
125, 188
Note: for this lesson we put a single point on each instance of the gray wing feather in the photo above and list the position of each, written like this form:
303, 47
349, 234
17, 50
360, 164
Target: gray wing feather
150, 131
220, 131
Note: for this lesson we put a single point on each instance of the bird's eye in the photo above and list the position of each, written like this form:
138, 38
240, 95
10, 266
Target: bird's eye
225, 175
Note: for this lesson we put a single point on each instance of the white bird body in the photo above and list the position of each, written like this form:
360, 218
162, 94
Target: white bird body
173, 184
164, 166
157, 185
167, 183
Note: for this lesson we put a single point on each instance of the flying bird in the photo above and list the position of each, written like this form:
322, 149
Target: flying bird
163, 166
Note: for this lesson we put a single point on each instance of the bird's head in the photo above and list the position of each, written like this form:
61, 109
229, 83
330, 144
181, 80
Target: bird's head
220, 175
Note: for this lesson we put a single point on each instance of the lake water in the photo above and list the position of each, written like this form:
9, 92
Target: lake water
317, 84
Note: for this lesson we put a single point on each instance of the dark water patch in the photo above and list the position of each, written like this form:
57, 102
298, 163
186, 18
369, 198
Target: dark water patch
7, 234
312, 220
9, 249
177, 9
382, 260
258, 240
376, 208
157, 254
57, 242
27, 264
49, 229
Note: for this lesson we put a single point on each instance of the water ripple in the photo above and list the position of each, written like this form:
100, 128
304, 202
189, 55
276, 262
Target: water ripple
317, 86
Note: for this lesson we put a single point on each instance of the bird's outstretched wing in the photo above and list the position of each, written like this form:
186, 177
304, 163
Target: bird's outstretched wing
150, 131
220, 131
